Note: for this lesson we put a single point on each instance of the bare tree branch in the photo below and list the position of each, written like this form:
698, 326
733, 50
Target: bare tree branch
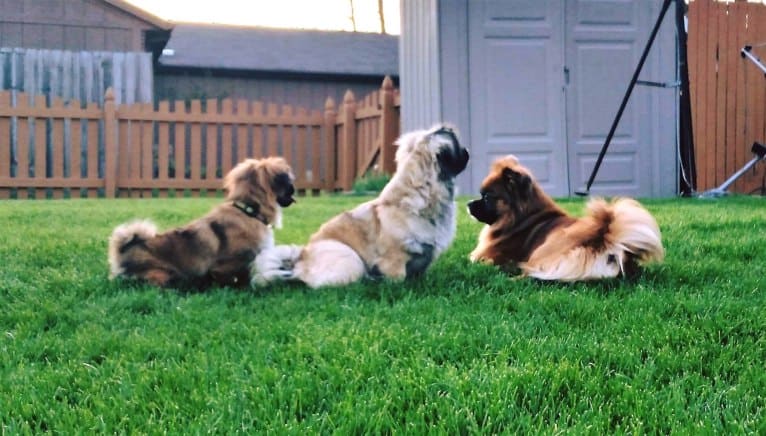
352, 17
382, 17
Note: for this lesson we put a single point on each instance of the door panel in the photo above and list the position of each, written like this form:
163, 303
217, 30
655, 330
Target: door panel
516, 81
604, 44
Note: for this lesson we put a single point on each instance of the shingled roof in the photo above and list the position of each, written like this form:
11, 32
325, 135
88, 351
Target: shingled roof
281, 50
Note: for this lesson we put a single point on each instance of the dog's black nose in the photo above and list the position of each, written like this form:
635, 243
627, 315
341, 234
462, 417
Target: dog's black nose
472, 205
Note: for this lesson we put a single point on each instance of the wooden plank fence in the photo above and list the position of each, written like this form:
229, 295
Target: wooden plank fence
61, 150
78, 75
728, 92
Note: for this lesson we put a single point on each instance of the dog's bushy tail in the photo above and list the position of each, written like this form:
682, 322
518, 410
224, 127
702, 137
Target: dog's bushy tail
124, 236
635, 230
275, 264
613, 239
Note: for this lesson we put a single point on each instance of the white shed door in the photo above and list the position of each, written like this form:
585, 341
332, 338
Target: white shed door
546, 81
516, 78
604, 43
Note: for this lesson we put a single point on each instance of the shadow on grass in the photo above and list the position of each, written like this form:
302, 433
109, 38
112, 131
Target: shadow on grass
441, 280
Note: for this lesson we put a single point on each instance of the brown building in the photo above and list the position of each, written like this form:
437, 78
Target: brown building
283, 66
92, 25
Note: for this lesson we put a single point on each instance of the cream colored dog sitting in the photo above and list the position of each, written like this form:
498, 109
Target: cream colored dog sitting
397, 235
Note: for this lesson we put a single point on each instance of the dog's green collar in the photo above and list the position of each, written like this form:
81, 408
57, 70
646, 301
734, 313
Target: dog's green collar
251, 210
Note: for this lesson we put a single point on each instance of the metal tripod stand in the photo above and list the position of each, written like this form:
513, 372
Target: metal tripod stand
758, 149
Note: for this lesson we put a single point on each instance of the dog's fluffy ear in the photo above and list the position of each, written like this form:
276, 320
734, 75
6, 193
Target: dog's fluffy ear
407, 143
239, 181
519, 181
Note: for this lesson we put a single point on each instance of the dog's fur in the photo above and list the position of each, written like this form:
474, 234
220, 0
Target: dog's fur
217, 248
526, 230
397, 235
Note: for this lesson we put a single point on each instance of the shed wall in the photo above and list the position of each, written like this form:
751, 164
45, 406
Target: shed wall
69, 25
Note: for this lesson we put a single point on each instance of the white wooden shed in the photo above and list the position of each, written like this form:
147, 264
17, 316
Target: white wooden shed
543, 79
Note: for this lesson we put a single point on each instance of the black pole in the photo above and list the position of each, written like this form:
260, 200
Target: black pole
688, 185
665, 5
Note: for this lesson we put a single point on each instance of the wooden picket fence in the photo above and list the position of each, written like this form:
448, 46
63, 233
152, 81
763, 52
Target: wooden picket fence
63, 150
728, 92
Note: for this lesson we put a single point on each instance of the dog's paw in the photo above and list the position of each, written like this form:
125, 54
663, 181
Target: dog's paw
263, 279
287, 265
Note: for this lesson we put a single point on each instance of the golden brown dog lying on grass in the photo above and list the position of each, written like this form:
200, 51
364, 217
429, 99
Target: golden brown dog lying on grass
217, 248
525, 229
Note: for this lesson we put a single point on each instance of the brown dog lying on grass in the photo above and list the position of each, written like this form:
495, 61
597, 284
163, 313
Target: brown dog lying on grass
525, 229
217, 248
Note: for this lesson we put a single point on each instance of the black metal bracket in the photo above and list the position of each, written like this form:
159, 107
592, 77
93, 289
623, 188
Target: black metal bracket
675, 84
759, 150
745, 53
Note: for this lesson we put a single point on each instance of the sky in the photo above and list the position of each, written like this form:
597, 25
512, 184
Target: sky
308, 14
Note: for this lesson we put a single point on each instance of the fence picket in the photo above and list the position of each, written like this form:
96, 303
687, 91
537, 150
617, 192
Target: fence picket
288, 135
389, 126
758, 18
179, 146
132, 151
163, 149
75, 151
272, 133
147, 148
721, 94
730, 57
195, 157
258, 132
318, 180
111, 122
242, 132
347, 149
5, 144
226, 137
331, 146
301, 149
57, 148
211, 145
739, 16
711, 30
41, 155
92, 128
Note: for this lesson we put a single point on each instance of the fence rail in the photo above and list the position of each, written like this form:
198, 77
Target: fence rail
61, 150
728, 92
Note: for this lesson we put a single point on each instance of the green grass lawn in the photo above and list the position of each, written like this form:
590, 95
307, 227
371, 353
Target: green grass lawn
464, 349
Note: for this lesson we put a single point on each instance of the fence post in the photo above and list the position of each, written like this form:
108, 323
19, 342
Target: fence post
389, 128
110, 145
347, 157
330, 118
